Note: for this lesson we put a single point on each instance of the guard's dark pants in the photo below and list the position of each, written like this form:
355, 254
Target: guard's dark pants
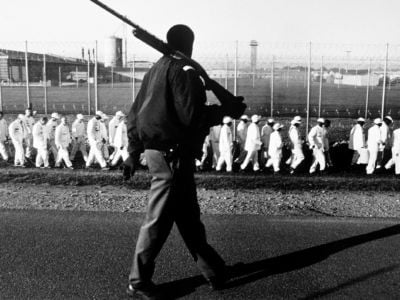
172, 199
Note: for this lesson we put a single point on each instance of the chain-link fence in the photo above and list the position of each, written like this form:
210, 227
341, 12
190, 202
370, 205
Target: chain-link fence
333, 80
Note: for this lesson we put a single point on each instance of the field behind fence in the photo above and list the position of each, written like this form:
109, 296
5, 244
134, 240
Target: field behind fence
338, 81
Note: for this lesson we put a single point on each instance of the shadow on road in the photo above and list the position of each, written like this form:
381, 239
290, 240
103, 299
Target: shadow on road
241, 273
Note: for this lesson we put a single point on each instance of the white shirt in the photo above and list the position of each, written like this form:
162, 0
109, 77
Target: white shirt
275, 143
316, 137
225, 139
39, 136
265, 135
3, 130
374, 138
242, 132
396, 141
17, 131
112, 128
78, 129
121, 136
29, 122
357, 138
93, 131
51, 126
294, 136
103, 130
62, 136
253, 140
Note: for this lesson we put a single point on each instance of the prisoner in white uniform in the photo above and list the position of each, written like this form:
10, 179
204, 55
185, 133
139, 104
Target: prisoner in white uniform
104, 136
3, 137
241, 130
386, 138
51, 126
214, 139
266, 131
112, 128
40, 142
316, 141
29, 121
120, 143
62, 140
78, 138
95, 141
296, 145
225, 145
275, 148
253, 144
357, 140
395, 152
374, 142
17, 134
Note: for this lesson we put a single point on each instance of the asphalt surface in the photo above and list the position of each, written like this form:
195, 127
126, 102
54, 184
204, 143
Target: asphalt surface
87, 255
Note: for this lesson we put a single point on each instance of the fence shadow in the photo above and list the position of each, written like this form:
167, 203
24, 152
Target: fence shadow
241, 274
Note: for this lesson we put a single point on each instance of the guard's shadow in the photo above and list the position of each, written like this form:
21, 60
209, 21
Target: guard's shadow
241, 274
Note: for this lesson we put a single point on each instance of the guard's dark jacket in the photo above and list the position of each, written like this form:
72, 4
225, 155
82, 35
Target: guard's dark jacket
170, 110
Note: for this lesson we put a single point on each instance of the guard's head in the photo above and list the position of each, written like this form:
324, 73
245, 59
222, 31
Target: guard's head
1, 115
180, 37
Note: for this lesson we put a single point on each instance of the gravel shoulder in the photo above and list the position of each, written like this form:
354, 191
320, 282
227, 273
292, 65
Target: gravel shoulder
262, 201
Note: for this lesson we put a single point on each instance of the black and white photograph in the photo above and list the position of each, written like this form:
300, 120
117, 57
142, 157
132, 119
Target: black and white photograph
210, 150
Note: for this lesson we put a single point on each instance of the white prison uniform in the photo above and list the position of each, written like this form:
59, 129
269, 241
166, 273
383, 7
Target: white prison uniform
252, 146
357, 140
225, 148
78, 134
265, 137
104, 136
396, 150
17, 134
374, 142
50, 131
241, 130
297, 149
40, 143
28, 122
275, 151
62, 140
120, 143
3, 139
316, 141
214, 138
112, 129
95, 142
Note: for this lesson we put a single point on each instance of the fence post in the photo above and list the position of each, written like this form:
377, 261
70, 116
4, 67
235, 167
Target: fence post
226, 72
28, 100
59, 77
236, 69
320, 87
384, 82
96, 100
88, 81
45, 84
367, 95
308, 88
76, 76
272, 86
133, 80
1, 97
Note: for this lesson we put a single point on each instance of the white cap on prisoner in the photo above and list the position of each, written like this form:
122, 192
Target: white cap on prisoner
244, 117
119, 114
21, 116
378, 121
79, 116
277, 126
104, 116
227, 120
55, 115
99, 113
360, 120
389, 118
297, 119
321, 120
255, 118
270, 120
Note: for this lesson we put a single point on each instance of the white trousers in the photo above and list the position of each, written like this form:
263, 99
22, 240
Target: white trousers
28, 145
118, 154
95, 153
251, 156
79, 145
373, 154
19, 157
104, 150
53, 149
3, 151
63, 155
225, 157
297, 157
318, 159
394, 161
274, 161
42, 157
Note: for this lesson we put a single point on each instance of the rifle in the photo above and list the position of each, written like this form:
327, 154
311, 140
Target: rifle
224, 96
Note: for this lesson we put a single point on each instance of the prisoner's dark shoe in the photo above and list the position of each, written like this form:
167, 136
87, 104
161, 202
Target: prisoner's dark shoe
216, 282
144, 291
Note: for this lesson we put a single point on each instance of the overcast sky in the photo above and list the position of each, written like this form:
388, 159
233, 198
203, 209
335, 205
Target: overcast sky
333, 21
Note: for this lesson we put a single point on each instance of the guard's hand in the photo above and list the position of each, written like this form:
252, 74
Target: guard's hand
235, 108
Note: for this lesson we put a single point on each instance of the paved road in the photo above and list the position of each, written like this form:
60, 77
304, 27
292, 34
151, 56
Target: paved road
87, 255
